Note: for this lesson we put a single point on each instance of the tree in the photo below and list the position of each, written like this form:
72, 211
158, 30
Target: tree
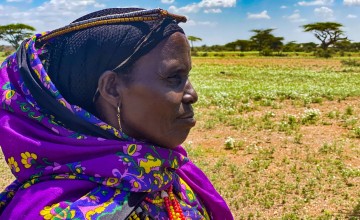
276, 43
309, 47
355, 46
15, 33
292, 46
193, 39
264, 39
344, 45
327, 32
242, 45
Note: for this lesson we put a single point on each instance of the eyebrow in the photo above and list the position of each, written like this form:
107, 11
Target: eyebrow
178, 66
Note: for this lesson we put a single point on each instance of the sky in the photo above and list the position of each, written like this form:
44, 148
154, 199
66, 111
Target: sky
214, 21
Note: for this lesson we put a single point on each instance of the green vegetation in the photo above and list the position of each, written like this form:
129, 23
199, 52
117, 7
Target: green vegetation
231, 86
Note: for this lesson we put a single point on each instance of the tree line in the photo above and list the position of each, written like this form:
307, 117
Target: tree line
332, 39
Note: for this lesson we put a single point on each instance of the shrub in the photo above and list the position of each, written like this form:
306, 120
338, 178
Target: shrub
356, 132
267, 52
350, 62
324, 53
194, 53
229, 143
310, 116
205, 54
8, 53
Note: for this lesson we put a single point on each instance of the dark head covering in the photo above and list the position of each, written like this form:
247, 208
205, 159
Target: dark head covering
75, 60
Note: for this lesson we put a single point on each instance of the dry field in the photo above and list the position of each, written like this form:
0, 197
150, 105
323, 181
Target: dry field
278, 137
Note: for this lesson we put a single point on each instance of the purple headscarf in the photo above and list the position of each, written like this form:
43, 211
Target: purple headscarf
64, 174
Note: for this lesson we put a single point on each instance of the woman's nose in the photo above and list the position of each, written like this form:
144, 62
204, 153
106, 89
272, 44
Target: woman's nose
190, 95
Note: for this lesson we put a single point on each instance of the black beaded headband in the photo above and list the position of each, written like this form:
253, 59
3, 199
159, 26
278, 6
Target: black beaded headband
143, 15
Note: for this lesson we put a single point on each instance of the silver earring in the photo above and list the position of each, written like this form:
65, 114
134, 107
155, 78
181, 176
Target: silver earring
118, 117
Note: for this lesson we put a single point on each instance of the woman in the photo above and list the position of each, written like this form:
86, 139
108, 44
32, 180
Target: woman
91, 118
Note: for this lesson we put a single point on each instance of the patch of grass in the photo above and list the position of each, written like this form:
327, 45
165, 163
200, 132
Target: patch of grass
310, 116
351, 62
328, 148
265, 84
349, 110
333, 114
355, 214
356, 132
297, 138
289, 124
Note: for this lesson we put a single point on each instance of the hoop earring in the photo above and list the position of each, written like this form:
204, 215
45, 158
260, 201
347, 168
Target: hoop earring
118, 117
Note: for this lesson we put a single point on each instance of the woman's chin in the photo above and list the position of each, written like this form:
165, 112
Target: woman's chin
172, 144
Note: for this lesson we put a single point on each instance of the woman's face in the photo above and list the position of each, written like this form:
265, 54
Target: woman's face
156, 103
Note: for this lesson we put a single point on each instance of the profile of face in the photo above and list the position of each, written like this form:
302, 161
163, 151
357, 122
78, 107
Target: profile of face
156, 103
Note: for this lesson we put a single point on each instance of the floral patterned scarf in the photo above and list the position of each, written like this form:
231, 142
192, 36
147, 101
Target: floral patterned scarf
62, 174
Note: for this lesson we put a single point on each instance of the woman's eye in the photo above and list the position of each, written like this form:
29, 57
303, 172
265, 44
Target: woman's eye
174, 79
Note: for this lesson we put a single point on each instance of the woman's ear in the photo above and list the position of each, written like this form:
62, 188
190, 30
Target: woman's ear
109, 88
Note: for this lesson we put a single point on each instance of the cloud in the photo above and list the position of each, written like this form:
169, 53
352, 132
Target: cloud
217, 3
324, 13
351, 16
167, 1
295, 17
209, 6
213, 10
49, 15
283, 6
351, 2
315, 2
27, 1
192, 8
199, 23
99, 5
68, 5
261, 15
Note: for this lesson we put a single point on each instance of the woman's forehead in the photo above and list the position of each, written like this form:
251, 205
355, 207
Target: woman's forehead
175, 43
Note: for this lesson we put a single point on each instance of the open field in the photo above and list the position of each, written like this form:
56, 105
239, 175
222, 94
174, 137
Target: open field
278, 137
229, 54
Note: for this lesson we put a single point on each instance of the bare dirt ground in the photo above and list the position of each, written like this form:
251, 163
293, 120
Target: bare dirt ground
309, 155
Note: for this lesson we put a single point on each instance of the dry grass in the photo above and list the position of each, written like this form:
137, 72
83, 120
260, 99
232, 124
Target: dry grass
309, 172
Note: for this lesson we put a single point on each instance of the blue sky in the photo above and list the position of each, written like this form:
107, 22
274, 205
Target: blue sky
215, 21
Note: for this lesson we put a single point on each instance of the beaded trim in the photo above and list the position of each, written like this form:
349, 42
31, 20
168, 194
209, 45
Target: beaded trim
139, 214
144, 15
172, 205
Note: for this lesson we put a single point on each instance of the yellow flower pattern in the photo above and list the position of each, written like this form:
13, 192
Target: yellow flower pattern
30, 182
150, 163
47, 212
27, 159
101, 208
56, 211
111, 181
13, 165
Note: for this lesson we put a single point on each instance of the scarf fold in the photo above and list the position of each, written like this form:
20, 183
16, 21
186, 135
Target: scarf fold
81, 176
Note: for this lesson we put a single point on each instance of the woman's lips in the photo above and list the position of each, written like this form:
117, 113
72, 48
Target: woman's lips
188, 118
